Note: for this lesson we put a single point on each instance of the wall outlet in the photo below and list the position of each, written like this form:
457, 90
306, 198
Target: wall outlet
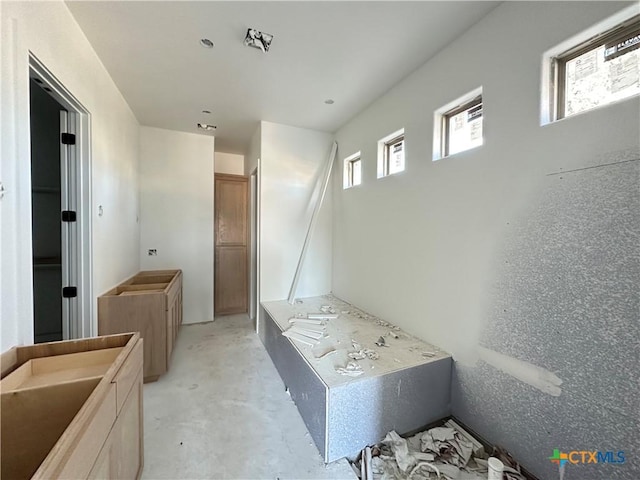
153, 252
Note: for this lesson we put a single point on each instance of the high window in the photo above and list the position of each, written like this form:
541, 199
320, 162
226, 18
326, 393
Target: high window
352, 171
458, 125
599, 66
391, 154
599, 71
463, 127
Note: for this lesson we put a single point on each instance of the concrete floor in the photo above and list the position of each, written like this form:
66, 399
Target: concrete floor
222, 412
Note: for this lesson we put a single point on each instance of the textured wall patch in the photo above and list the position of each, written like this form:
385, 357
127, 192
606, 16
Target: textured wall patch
565, 298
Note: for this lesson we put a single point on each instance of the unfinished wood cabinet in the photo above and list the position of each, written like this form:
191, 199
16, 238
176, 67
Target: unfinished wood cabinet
73, 409
150, 302
118, 456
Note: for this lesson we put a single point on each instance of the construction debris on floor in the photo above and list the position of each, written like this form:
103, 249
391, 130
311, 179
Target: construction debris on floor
447, 452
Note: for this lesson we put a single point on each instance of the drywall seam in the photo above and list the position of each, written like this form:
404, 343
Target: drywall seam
594, 166
538, 377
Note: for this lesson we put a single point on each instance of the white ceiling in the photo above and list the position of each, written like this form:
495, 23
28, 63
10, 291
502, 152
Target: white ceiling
351, 52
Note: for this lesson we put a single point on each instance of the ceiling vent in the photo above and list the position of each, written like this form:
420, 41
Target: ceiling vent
258, 39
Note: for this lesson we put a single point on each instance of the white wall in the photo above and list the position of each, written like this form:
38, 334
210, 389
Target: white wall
48, 30
424, 249
292, 161
445, 217
230, 163
254, 153
176, 206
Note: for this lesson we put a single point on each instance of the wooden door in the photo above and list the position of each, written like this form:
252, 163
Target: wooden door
231, 244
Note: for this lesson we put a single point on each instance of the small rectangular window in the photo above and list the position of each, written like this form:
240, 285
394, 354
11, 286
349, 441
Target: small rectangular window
463, 127
391, 154
458, 125
352, 171
599, 71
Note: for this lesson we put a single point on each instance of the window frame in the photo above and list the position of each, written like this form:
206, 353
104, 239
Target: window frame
559, 62
384, 152
387, 154
555, 60
348, 181
446, 116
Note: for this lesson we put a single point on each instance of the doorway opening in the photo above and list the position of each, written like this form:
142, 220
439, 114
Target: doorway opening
47, 119
61, 193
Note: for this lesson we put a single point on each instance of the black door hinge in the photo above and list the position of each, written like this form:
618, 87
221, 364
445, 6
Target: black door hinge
69, 216
69, 292
68, 139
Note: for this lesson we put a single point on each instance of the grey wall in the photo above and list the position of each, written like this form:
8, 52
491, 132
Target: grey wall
530, 279
565, 297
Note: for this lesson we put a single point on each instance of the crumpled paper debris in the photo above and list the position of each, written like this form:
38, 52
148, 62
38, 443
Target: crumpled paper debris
327, 309
364, 353
403, 456
450, 446
352, 369
438, 453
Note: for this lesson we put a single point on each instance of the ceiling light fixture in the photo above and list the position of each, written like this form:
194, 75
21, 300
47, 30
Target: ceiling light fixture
206, 127
206, 43
329, 101
257, 39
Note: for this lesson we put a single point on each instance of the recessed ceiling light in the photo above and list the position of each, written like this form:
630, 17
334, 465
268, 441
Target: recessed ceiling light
329, 101
206, 112
206, 127
206, 43
257, 39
